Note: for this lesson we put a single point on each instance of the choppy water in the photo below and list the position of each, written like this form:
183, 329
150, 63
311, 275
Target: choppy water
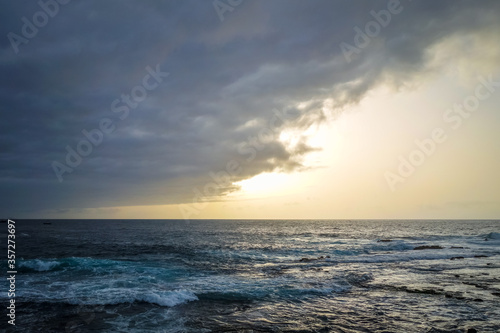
256, 276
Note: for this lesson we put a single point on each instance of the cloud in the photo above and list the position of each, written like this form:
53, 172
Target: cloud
281, 55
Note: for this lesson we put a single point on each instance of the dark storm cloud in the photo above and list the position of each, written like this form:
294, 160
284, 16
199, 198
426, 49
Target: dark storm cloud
225, 80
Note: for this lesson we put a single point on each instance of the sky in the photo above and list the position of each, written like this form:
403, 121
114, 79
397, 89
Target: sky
244, 109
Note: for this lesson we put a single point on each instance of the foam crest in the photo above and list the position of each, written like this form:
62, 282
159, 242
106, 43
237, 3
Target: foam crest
38, 265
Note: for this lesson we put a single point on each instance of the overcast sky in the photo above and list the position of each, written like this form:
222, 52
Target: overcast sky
306, 114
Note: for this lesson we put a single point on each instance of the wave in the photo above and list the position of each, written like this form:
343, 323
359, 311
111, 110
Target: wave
89, 281
169, 298
86, 265
38, 265
74, 263
395, 245
113, 296
162, 298
493, 235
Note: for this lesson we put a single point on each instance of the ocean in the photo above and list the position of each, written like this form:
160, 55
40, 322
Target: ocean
255, 276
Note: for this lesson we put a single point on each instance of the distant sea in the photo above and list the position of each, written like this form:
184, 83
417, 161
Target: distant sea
255, 276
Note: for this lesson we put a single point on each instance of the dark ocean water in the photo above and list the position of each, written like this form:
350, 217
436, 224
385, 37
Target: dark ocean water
255, 276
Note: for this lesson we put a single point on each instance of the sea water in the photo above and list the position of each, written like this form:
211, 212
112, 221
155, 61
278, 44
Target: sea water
255, 276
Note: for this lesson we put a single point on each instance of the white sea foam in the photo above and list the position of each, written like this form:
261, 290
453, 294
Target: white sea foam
109, 296
78, 294
39, 265
169, 298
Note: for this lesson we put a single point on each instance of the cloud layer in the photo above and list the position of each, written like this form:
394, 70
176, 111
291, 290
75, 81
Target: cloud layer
226, 79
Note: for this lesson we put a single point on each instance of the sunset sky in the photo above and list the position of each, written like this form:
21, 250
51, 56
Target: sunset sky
250, 109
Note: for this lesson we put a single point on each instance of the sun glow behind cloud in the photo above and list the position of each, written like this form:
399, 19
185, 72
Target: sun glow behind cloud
264, 184
280, 183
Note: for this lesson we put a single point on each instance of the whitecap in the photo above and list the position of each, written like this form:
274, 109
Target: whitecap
93, 295
39, 265
169, 298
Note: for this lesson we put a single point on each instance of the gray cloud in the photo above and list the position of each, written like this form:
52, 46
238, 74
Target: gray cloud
266, 55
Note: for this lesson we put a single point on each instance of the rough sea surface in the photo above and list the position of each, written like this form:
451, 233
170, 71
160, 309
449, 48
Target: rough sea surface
255, 276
